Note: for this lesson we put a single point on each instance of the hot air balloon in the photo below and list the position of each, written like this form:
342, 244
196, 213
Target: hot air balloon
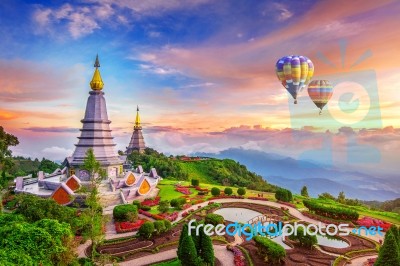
294, 72
320, 91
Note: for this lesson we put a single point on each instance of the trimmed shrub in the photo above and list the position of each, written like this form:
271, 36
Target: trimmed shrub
241, 191
125, 212
167, 224
304, 239
195, 182
272, 252
159, 226
146, 230
284, 195
214, 219
228, 191
215, 191
330, 211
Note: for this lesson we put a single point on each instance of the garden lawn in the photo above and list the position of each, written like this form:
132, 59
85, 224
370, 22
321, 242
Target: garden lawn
167, 190
197, 170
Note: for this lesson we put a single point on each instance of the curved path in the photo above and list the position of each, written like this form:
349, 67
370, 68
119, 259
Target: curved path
223, 255
296, 213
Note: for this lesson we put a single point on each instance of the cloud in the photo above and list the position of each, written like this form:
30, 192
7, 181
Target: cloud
283, 12
26, 81
52, 129
56, 153
80, 20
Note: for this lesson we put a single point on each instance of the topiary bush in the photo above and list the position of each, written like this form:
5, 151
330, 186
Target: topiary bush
125, 212
215, 191
214, 219
228, 191
159, 226
146, 230
195, 182
241, 191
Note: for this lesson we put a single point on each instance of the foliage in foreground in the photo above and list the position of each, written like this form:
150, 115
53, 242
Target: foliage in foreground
44, 242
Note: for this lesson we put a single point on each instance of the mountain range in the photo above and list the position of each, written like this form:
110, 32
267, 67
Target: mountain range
293, 174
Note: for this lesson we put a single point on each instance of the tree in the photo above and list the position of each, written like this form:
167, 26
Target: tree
241, 191
184, 232
228, 191
6, 163
215, 191
326, 195
283, 195
304, 192
341, 198
163, 206
146, 230
92, 215
188, 254
207, 249
389, 252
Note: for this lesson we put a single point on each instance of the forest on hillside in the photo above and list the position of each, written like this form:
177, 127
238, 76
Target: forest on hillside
225, 172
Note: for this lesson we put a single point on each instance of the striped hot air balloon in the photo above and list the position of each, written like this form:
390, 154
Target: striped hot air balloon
320, 91
294, 72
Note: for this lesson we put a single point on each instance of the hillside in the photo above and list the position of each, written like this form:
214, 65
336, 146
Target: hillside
226, 172
293, 174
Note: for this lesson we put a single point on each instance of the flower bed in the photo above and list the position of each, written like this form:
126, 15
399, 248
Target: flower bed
201, 189
368, 222
238, 257
123, 227
183, 190
151, 215
151, 202
170, 216
258, 198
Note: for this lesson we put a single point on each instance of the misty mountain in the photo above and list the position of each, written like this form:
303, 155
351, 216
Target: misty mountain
293, 174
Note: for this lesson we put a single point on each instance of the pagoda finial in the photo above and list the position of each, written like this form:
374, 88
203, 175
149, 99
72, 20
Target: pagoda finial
97, 83
137, 120
97, 62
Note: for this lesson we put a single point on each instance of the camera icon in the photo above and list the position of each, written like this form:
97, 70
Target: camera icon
354, 105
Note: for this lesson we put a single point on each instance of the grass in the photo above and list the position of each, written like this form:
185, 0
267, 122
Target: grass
390, 217
167, 190
174, 262
197, 170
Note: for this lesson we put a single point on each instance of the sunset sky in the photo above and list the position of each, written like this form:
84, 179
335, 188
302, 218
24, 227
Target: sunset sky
203, 74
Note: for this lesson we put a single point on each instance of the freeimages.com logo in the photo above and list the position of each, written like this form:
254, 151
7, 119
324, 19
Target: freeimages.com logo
276, 229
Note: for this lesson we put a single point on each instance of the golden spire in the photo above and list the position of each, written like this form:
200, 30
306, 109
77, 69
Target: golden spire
137, 121
97, 83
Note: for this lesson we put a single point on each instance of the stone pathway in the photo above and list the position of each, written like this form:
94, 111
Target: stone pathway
81, 249
223, 255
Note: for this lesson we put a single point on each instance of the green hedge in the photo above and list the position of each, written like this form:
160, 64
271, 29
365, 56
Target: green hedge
272, 252
125, 212
330, 211
214, 219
